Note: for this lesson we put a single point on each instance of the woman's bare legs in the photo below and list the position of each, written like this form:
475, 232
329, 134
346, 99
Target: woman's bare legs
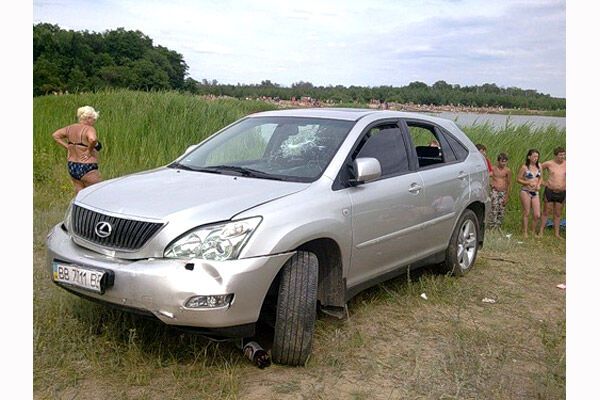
87, 180
91, 177
526, 206
78, 185
535, 205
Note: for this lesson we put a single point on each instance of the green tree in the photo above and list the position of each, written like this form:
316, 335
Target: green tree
70, 60
46, 76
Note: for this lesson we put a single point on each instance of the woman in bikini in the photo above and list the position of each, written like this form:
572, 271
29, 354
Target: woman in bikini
530, 178
80, 140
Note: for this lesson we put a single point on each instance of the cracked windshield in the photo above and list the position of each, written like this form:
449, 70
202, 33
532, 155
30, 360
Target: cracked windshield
295, 149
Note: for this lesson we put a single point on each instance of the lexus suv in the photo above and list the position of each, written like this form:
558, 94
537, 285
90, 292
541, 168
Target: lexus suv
277, 216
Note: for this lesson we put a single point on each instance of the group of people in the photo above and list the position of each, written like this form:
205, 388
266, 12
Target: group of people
531, 179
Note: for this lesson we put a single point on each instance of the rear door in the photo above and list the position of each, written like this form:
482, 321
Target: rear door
445, 180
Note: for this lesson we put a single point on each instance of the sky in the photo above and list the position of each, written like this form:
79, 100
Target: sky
512, 43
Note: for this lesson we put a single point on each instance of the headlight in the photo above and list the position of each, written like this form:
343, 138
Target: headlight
214, 242
67, 220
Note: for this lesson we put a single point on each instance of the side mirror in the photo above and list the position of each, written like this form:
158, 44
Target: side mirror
365, 170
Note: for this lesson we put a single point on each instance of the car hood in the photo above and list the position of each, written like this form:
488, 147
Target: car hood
167, 194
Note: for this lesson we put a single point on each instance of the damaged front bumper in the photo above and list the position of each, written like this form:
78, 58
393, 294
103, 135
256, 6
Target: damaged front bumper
164, 287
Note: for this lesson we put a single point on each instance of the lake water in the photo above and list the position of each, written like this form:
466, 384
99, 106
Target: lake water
500, 120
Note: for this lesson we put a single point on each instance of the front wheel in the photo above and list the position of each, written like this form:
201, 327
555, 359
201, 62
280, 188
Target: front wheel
296, 309
462, 250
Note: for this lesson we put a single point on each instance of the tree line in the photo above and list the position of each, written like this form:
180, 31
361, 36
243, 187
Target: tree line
66, 60
73, 61
440, 93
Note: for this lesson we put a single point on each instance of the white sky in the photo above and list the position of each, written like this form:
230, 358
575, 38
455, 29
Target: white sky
367, 43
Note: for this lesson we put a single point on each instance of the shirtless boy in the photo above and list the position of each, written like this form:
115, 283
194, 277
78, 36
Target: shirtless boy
555, 192
500, 183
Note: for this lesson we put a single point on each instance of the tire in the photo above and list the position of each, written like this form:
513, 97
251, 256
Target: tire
464, 243
296, 310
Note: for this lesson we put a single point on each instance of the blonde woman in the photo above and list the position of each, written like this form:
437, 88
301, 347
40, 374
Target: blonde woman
82, 146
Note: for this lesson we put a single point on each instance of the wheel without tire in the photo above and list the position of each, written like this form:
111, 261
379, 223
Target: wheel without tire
296, 309
462, 250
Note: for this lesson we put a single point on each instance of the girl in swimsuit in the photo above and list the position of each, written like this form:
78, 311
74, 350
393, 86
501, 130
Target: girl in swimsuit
530, 178
80, 141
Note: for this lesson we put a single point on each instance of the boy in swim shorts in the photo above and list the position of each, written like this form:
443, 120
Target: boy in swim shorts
500, 185
555, 191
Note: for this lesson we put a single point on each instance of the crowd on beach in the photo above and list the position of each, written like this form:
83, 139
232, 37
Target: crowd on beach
530, 177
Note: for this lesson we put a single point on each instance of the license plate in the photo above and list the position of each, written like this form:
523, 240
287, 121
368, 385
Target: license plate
82, 277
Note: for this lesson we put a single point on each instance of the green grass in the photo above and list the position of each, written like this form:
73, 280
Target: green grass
138, 131
395, 344
141, 130
515, 141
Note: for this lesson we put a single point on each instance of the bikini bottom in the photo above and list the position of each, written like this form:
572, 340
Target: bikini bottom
78, 170
531, 193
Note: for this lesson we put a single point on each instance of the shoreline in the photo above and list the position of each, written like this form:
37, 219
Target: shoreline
308, 102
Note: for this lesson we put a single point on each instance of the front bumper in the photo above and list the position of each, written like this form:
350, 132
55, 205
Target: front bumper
162, 286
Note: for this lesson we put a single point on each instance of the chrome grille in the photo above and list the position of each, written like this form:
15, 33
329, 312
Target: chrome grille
126, 234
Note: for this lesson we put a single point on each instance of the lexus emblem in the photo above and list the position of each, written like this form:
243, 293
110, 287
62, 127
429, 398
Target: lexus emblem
103, 229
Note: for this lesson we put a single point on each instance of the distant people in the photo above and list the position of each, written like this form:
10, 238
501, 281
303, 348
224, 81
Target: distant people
530, 178
82, 146
434, 143
500, 183
483, 150
555, 190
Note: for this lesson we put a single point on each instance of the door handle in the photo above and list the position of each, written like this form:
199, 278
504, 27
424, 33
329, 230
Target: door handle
414, 188
462, 175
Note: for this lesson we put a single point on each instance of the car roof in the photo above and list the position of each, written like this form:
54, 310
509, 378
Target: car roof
350, 114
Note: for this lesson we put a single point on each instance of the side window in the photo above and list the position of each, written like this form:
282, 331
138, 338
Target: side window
385, 143
427, 145
459, 150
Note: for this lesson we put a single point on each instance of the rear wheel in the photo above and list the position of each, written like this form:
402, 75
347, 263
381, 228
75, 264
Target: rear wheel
296, 309
462, 250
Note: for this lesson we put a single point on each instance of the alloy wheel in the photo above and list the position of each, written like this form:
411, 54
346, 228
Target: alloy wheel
467, 244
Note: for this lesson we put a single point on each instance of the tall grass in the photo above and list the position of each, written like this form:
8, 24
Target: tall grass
515, 141
138, 131
141, 130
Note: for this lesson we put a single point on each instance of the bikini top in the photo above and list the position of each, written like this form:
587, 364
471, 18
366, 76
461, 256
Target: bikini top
97, 147
529, 175
80, 140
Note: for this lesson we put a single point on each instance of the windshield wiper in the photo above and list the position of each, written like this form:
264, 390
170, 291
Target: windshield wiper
244, 171
181, 166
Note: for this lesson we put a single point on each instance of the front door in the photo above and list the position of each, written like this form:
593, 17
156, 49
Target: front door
387, 212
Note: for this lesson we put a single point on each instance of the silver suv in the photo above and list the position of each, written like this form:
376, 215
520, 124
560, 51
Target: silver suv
276, 216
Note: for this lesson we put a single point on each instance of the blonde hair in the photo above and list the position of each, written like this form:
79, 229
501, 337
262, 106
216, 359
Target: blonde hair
86, 112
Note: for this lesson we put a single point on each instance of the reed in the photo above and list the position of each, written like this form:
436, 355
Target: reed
515, 141
142, 130
138, 131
